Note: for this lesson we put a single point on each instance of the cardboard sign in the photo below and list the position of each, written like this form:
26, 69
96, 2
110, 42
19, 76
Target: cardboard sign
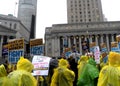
36, 42
41, 65
115, 47
37, 50
14, 55
15, 50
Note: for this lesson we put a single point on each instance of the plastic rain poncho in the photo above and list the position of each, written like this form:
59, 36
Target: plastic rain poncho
22, 76
3, 77
62, 75
89, 73
81, 63
110, 75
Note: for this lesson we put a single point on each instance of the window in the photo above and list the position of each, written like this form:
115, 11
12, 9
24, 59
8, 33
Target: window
10, 25
89, 12
5, 22
15, 26
89, 19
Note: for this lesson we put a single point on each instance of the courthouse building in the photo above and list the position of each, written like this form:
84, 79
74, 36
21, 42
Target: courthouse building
85, 25
23, 26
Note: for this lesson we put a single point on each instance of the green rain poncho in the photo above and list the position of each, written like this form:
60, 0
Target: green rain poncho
88, 74
62, 75
22, 76
110, 75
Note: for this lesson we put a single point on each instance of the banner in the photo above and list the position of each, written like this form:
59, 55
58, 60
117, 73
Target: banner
15, 50
41, 65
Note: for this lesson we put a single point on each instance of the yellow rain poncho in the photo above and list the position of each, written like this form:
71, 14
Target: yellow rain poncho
62, 75
81, 63
22, 76
110, 75
3, 77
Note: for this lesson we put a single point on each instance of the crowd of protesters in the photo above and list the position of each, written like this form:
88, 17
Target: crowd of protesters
66, 72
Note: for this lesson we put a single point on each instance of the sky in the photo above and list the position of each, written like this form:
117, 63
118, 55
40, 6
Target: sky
51, 12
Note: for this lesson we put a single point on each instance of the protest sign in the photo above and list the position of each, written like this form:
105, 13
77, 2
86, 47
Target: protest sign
97, 54
41, 65
36, 47
15, 50
114, 47
103, 47
37, 50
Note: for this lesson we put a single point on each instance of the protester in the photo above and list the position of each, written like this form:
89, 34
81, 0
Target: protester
53, 65
62, 75
110, 74
81, 63
103, 60
89, 74
3, 76
22, 76
73, 67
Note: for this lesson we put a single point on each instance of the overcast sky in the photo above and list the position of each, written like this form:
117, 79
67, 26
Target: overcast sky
55, 12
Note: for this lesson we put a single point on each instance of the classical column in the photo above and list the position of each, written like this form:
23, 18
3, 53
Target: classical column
58, 41
112, 37
108, 47
74, 40
7, 38
69, 42
85, 38
90, 38
96, 39
80, 45
101, 37
53, 46
63, 40
1, 42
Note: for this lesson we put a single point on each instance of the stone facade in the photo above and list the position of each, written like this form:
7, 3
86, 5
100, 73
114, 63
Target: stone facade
75, 34
84, 11
5, 35
13, 23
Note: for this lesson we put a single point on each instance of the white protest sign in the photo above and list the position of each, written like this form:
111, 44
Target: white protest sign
97, 54
41, 65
